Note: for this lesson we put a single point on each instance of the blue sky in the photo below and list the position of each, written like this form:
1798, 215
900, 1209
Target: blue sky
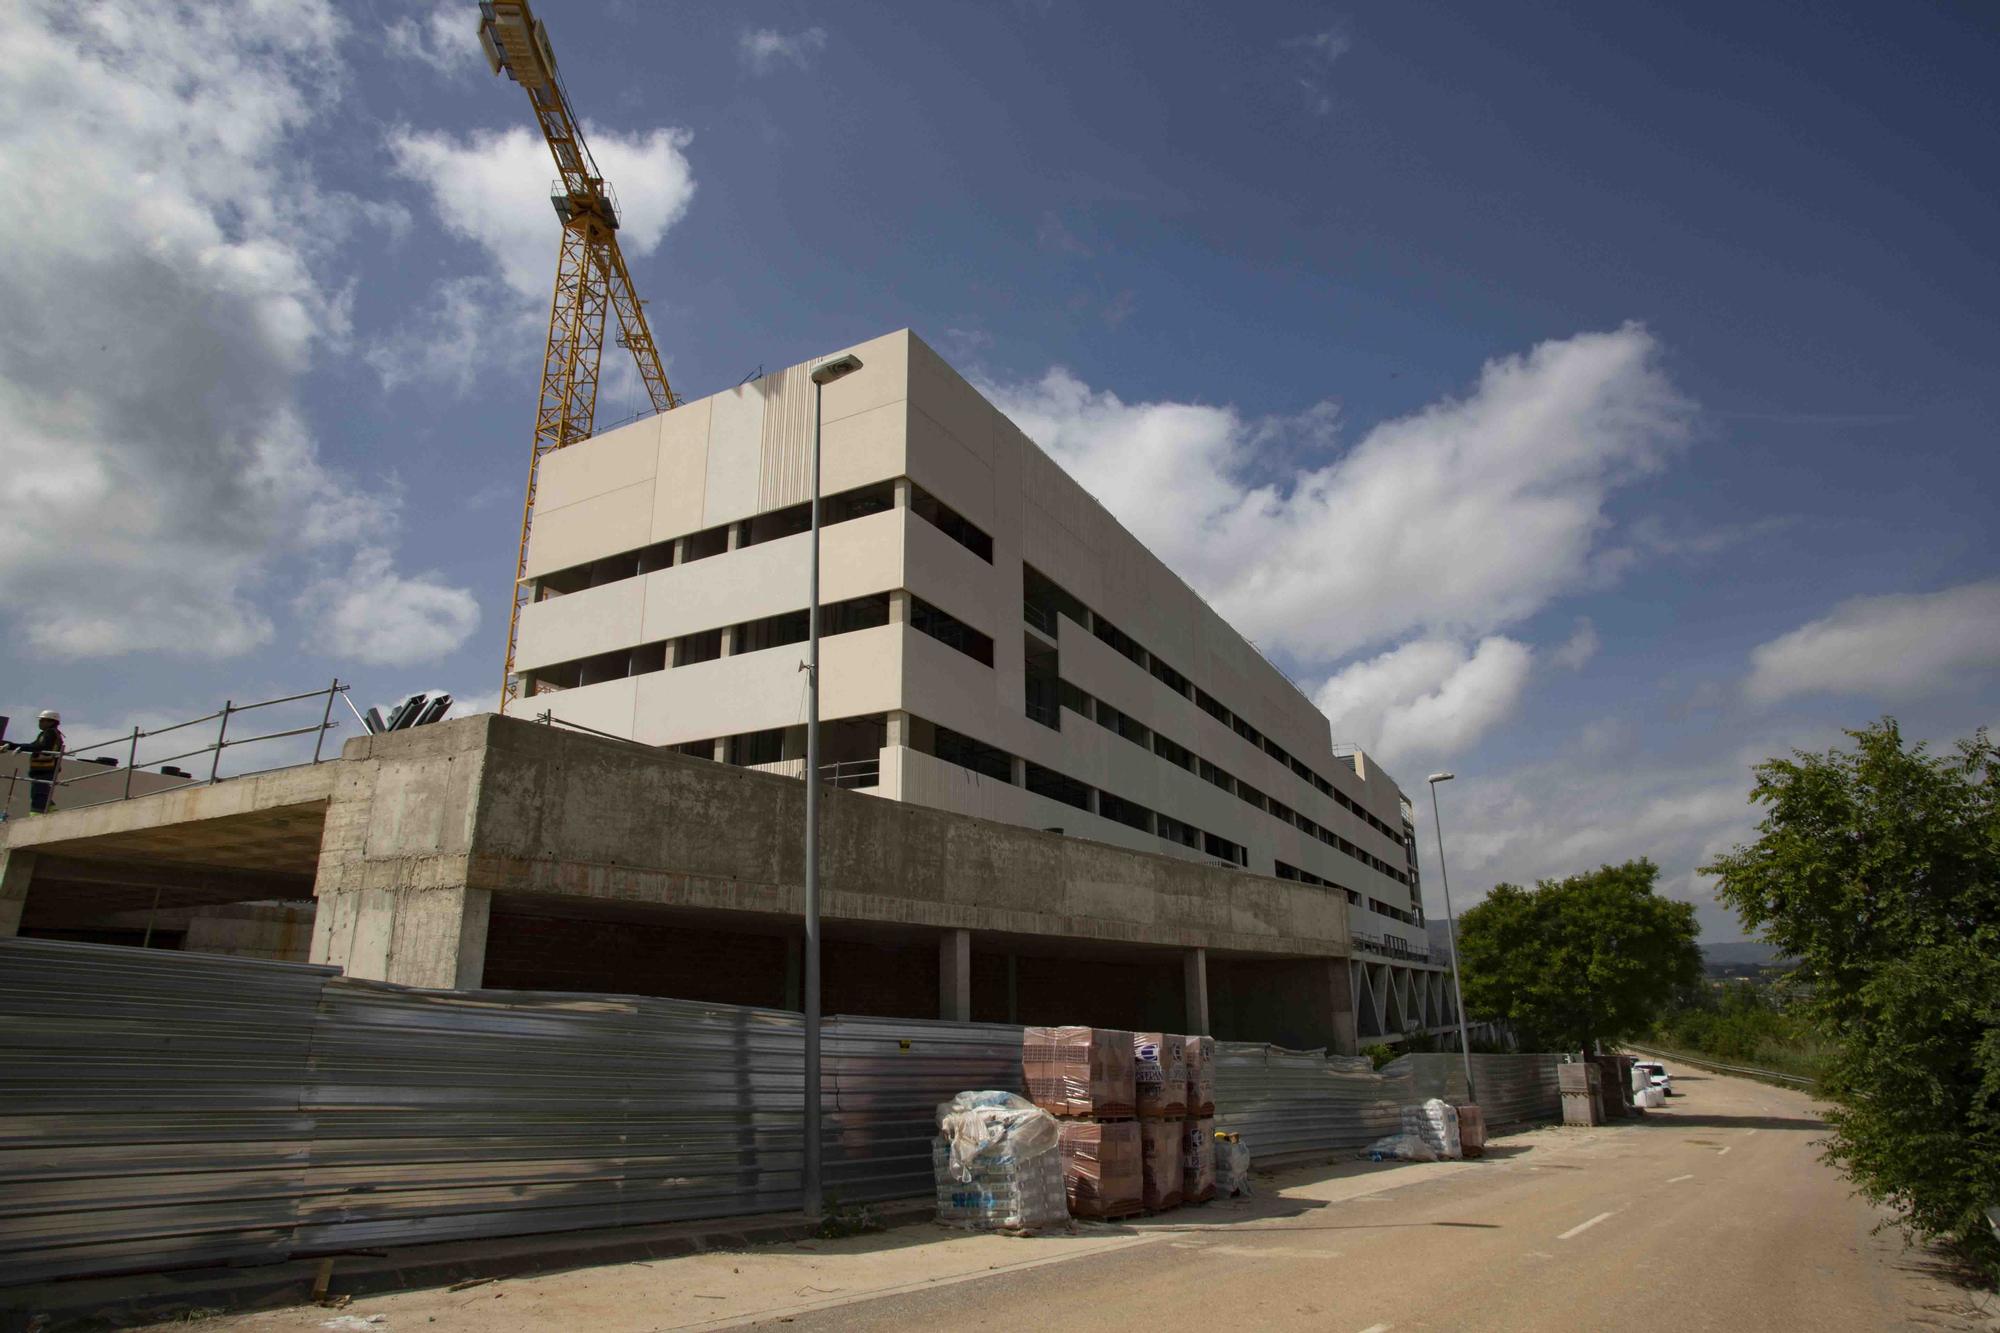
1590, 401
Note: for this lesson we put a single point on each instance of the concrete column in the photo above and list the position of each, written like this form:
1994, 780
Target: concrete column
737, 532
1091, 798
728, 640
1339, 988
898, 727
955, 976
1194, 973
672, 652
17, 869
722, 749
430, 937
1017, 773
902, 492
899, 607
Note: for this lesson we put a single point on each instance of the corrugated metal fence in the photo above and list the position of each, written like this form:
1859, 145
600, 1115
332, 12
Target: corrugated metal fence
1300, 1103
163, 1110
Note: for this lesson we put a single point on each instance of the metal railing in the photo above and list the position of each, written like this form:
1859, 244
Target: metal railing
1703, 1062
1388, 948
214, 749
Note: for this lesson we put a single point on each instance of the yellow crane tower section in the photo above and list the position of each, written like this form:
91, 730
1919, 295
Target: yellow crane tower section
590, 273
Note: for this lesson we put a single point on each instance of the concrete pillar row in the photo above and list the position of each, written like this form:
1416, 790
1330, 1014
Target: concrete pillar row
17, 871
1194, 974
955, 976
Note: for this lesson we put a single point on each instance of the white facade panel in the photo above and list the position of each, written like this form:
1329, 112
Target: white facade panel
908, 417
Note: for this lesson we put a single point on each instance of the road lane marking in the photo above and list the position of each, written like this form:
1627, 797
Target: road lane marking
1678, 1179
1583, 1227
1725, 1148
1378, 1328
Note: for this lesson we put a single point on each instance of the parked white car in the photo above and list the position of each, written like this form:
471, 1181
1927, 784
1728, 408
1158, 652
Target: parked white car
1656, 1075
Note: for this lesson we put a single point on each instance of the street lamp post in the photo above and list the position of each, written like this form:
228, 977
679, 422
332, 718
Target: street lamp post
1451, 934
812, 1197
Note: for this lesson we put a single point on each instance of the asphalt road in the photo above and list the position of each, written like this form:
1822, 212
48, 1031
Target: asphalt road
1711, 1214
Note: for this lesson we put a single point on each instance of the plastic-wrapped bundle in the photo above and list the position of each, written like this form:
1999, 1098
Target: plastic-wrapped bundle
1101, 1170
1400, 1148
1198, 1160
1078, 1071
1160, 1157
1436, 1123
1200, 1075
1159, 1066
997, 1164
1232, 1166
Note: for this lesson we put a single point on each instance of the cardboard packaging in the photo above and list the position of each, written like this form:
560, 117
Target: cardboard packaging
1079, 1071
1198, 1159
1161, 1158
1102, 1172
1200, 1075
1471, 1131
1159, 1063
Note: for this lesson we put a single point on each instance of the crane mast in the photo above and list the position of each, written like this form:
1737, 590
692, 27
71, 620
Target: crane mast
591, 276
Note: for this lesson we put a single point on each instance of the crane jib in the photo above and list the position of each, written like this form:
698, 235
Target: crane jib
591, 276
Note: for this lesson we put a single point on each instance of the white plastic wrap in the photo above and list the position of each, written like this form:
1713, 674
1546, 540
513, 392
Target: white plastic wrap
1232, 1167
1400, 1148
997, 1163
1436, 1123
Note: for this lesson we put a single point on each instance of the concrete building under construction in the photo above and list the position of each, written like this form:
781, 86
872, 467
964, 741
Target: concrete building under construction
1067, 790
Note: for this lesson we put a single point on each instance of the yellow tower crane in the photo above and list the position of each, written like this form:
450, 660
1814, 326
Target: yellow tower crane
590, 273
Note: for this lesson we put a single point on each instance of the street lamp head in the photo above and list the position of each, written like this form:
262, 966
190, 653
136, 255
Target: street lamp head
838, 368
1440, 777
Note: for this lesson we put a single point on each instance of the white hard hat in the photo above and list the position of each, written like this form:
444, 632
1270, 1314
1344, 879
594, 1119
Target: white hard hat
50, 715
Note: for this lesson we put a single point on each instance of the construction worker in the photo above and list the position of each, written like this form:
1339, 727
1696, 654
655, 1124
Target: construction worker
44, 760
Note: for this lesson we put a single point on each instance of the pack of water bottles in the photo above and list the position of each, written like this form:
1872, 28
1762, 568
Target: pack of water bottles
997, 1162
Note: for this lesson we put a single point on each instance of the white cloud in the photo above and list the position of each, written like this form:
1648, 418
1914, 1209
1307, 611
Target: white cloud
1578, 648
1449, 523
443, 36
1428, 697
1898, 646
163, 278
764, 49
374, 615
1321, 50
492, 189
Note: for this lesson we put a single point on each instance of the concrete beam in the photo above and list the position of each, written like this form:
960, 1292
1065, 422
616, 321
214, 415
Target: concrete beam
1194, 972
955, 976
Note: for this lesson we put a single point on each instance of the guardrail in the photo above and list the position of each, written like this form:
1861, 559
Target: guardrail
1703, 1062
223, 741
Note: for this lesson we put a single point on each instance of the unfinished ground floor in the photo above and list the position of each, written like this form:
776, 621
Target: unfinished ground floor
505, 854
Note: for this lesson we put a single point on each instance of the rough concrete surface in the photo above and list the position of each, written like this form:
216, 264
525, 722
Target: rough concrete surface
1713, 1214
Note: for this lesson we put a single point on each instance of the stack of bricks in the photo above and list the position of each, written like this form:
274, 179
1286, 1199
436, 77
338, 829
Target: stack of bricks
1198, 1162
1084, 1077
1160, 1063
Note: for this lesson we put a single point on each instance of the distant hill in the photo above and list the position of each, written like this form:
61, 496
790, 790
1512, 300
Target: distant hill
1743, 953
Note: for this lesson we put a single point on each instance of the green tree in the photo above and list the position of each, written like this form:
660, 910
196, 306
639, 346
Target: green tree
1879, 869
1572, 962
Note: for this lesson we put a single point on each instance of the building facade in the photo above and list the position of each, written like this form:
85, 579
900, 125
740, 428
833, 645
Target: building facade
995, 642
